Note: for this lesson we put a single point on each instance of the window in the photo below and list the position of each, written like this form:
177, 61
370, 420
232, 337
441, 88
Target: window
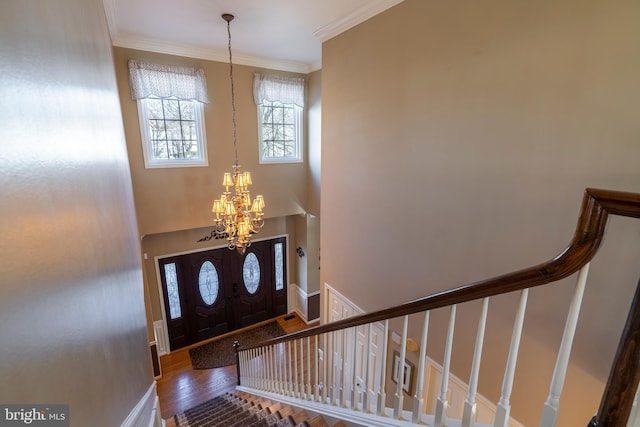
280, 129
208, 283
170, 108
279, 266
172, 132
171, 278
280, 102
251, 273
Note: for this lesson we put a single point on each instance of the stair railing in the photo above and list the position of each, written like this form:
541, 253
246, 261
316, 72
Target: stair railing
340, 374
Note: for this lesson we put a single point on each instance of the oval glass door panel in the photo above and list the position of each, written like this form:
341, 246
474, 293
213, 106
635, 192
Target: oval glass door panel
208, 283
251, 273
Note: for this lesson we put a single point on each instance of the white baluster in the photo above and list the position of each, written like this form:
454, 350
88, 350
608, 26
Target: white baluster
285, 377
308, 396
263, 365
344, 369
251, 375
248, 373
325, 377
269, 358
255, 369
296, 390
383, 370
469, 412
274, 382
316, 369
504, 408
551, 406
332, 372
418, 398
354, 364
397, 407
365, 379
443, 403
242, 379
279, 356
300, 362
292, 377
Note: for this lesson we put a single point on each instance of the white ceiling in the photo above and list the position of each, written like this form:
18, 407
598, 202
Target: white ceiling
279, 34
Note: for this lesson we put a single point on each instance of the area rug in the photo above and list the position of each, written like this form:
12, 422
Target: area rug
221, 353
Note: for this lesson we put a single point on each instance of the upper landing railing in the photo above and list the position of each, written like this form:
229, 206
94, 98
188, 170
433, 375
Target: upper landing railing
337, 375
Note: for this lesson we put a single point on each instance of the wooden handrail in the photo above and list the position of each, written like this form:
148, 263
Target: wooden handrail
596, 206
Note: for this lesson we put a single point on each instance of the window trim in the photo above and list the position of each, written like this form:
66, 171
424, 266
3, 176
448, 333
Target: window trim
298, 133
150, 162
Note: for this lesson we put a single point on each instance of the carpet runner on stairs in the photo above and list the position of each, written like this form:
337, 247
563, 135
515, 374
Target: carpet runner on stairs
244, 410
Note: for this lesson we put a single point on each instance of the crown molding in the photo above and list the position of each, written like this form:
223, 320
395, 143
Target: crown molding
111, 13
220, 55
358, 16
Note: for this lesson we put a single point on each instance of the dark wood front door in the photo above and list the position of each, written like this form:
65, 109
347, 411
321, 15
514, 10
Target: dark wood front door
209, 293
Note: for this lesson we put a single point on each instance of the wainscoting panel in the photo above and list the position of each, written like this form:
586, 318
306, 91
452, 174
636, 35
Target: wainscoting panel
162, 340
306, 305
146, 413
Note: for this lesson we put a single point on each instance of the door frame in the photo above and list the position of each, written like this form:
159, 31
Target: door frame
165, 328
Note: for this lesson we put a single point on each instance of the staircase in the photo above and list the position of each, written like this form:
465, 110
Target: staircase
347, 369
241, 409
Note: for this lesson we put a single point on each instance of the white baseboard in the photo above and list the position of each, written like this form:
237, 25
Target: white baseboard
146, 413
299, 302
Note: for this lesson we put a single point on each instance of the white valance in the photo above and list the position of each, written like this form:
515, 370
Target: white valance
166, 81
288, 90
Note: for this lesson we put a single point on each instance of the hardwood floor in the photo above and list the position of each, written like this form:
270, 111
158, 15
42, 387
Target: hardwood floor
182, 387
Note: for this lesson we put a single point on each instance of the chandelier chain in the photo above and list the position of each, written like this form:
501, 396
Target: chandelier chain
233, 92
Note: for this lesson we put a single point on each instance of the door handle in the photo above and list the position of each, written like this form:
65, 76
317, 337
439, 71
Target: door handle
235, 289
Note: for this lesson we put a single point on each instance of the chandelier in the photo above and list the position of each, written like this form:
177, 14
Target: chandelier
237, 217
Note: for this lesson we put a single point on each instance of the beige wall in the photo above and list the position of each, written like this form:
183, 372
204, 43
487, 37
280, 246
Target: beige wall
314, 138
173, 205
457, 139
173, 199
72, 320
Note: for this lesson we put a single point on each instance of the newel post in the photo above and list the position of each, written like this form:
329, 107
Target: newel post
619, 393
236, 344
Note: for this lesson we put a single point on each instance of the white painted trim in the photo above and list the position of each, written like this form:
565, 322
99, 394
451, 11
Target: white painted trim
162, 323
369, 10
299, 302
162, 339
331, 290
152, 45
146, 413
111, 13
